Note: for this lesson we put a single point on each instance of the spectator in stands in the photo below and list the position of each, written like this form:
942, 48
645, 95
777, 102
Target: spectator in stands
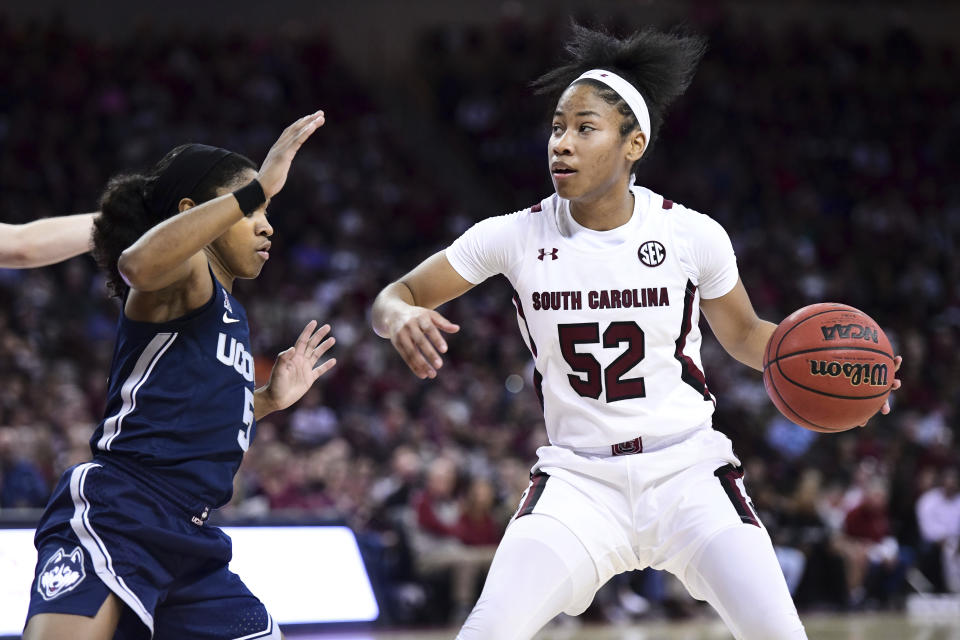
870, 553
821, 580
938, 517
478, 525
436, 536
22, 484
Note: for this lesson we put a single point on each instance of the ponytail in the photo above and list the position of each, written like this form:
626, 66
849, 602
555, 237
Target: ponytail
660, 65
132, 204
123, 219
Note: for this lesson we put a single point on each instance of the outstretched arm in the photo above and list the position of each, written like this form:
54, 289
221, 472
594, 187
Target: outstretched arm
46, 241
403, 313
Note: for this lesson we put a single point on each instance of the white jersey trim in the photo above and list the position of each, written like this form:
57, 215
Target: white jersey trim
128, 392
99, 555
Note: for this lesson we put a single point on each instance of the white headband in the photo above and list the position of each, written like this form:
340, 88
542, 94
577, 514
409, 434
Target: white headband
627, 91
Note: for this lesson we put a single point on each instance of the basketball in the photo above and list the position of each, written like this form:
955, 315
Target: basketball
828, 367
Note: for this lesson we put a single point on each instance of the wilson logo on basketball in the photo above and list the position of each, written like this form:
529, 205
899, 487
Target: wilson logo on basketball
854, 331
874, 375
651, 253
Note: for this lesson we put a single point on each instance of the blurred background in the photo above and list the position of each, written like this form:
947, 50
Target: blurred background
822, 135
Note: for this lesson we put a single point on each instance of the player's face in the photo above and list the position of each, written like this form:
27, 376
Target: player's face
586, 154
245, 247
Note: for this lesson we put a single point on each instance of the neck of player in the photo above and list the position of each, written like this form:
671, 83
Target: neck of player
606, 211
220, 270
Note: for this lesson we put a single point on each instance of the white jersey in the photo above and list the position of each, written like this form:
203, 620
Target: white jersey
611, 317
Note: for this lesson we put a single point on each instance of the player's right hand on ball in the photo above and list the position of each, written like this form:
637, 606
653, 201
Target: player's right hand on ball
416, 336
273, 171
885, 409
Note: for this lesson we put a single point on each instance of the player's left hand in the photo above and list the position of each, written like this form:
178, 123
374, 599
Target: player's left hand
296, 369
885, 409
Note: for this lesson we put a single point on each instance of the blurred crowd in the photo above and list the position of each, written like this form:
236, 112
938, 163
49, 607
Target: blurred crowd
829, 159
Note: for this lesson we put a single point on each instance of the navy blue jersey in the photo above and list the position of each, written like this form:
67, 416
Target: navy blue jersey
180, 401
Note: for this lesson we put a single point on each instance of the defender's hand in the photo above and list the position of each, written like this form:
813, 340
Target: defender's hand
273, 172
416, 336
296, 369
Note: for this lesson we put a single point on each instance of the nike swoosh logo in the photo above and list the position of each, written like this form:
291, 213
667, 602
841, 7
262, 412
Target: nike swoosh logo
227, 319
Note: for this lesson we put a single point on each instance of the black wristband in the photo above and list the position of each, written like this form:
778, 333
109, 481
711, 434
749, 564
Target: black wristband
250, 197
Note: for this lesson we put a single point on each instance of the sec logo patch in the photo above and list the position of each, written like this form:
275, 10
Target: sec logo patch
652, 253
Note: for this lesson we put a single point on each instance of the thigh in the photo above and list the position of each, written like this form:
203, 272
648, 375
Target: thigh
540, 570
65, 580
82, 558
738, 574
62, 626
597, 512
213, 604
693, 507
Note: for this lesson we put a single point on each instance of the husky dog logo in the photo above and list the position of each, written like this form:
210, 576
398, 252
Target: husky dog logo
61, 573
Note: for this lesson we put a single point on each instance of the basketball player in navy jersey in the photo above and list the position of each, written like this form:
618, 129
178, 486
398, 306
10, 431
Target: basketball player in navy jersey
124, 548
45, 241
609, 279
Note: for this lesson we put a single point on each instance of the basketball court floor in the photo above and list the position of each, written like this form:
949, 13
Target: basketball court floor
819, 627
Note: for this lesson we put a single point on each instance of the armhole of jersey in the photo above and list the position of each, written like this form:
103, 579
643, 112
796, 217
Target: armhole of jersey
682, 243
188, 316
514, 271
213, 279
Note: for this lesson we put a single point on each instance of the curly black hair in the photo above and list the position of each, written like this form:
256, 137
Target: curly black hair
659, 64
125, 216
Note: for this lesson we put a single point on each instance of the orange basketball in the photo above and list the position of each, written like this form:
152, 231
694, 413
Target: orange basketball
828, 367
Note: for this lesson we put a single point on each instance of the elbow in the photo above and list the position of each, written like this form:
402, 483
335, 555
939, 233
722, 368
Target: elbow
20, 257
20, 251
135, 271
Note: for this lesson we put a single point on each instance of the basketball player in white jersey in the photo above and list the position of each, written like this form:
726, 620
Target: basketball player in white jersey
45, 241
609, 281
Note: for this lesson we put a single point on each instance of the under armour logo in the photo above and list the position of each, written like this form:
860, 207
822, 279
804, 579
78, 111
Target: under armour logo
552, 253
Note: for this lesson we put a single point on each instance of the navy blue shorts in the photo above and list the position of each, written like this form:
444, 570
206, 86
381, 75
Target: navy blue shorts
106, 530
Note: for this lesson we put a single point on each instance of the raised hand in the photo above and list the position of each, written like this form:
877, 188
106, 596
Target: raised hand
416, 337
295, 369
273, 171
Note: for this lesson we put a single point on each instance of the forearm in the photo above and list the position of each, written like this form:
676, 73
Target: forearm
750, 349
149, 262
45, 241
392, 299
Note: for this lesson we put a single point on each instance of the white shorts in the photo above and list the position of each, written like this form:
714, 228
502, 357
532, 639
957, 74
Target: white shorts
651, 509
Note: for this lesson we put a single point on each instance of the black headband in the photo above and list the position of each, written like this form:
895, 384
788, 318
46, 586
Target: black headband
186, 170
